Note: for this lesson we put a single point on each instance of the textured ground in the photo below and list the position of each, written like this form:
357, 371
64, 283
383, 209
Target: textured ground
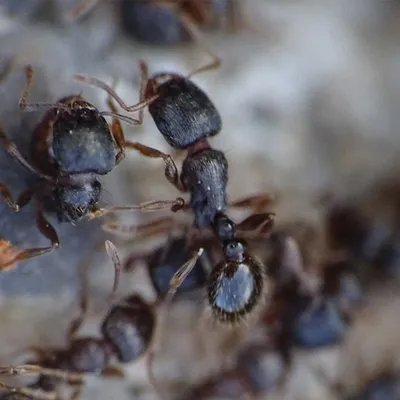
309, 98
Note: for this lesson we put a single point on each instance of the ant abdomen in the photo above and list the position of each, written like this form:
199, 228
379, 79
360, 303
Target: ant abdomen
205, 175
128, 327
86, 355
235, 288
151, 22
81, 140
183, 113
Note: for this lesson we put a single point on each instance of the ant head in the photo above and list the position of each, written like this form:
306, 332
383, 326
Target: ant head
74, 202
128, 327
235, 285
223, 227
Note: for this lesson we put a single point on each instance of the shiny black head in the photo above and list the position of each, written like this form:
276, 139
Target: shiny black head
205, 175
223, 227
74, 202
236, 285
82, 140
183, 113
128, 327
152, 22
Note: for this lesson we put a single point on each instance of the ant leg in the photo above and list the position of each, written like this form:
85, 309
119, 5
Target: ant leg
257, 203
149, 206
89, 80
116, 129
258, 224
24, 106
6, 194
174, 285
11, 148
113, 255
46, 230
199, 39
69, 377
171, 170
30, 393
81, 9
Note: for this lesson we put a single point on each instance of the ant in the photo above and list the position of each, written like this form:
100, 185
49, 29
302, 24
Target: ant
186, 117
70, 148
128, 332
168, 22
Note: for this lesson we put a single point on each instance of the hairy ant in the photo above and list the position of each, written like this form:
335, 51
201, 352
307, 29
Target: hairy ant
70, 148
128, 332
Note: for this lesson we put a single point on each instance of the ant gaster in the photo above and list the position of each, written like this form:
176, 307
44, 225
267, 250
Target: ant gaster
70, 148
128, 332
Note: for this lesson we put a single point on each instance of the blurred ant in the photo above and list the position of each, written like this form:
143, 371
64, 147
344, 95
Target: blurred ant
168, 22
128, 332
258, 370
70, 148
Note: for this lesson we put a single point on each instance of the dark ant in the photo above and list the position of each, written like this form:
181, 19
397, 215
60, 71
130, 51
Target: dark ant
70, 148
128, 332
186, 117
364, 240
168, 22
258, 370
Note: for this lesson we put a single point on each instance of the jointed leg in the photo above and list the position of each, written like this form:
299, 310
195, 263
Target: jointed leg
199, 40
69, 377
113, 254
5, 193
171, 170
174, 285
11, 148
30, 393
257, 224
116, 130
23, 105
257, 203
149, 206
46, 230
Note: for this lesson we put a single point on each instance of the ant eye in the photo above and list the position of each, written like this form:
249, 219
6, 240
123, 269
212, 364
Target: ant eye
235, 251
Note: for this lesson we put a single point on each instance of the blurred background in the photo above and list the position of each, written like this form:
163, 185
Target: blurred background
309, 94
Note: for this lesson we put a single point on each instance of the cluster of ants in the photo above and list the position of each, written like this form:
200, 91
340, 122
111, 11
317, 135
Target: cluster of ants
74, 145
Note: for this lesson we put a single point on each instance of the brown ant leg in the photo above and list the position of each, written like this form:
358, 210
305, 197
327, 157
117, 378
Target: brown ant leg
199, 40
29, 393
81, 9
6, 194
257, 224
149, 206
143, 231
24, 106
92, 81
46, 230
174, 285
112, 371
257, 203
69, 377
171, 170
116, 130
11, 148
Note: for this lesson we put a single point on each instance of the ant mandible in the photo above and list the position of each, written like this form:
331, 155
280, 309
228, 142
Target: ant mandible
70, 147
128, 332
